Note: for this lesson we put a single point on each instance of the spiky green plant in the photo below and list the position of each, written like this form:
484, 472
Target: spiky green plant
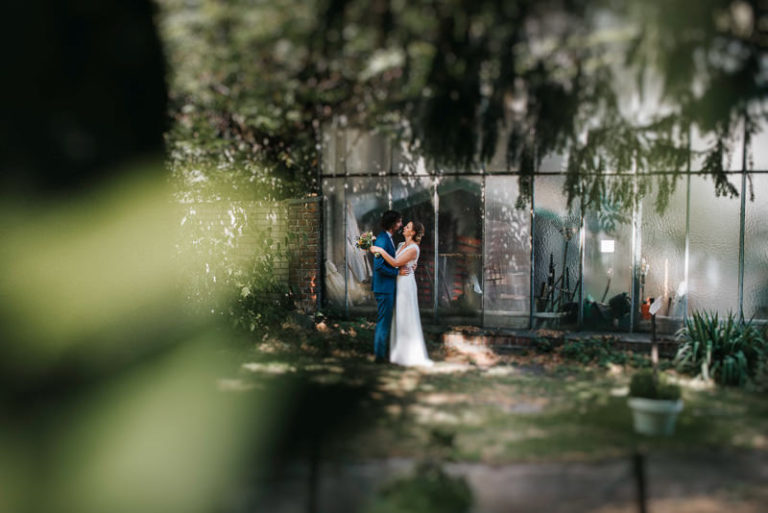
727, 350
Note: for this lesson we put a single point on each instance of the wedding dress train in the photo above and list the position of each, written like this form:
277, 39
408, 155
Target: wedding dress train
406, 340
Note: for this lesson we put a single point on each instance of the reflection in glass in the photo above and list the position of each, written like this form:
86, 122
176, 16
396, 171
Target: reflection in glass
406, 162
662, 268
367, 200
413, 198
460, 218
507, 255
758, 148
499, 163
553, 163
702, 144
608, 265
331, 161
714, 249
366, 152
556, 254
335, 262
756, 250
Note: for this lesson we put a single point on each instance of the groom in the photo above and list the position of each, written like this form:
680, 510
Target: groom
384, 280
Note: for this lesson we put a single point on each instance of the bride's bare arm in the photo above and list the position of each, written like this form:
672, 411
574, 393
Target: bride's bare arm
402, 259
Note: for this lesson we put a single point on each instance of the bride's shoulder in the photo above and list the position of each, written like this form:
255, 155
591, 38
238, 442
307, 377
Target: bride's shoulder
414, 247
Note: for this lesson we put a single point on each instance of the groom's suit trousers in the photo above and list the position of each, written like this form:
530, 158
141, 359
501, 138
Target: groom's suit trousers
385, 303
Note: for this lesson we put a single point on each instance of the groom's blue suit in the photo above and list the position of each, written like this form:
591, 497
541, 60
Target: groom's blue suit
384, 281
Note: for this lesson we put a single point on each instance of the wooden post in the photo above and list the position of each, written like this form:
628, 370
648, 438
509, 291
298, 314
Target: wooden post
654, 350
655, 307
638, 467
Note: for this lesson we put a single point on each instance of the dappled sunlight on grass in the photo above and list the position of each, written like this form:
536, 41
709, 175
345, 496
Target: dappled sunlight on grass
524, 407
459, 351
746, 500
234, 385
436, 416
448, 368
269, 368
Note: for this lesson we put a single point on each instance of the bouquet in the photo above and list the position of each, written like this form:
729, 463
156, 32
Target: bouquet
365, 241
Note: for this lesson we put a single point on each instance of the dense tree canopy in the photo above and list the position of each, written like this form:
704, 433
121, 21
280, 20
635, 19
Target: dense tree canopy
617, 86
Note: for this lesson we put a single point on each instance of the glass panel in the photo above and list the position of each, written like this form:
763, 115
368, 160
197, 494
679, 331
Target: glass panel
758, 148
406, 162
330, 150
553, 163
608, 266
714, 261
460, 248
701, 144
367, 153
507, 263
367, 200
550, 163
662, 269
413, 198
556, 255
333, 217
498, 163
756, 250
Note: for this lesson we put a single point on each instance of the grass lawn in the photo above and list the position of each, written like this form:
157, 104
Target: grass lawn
478, 406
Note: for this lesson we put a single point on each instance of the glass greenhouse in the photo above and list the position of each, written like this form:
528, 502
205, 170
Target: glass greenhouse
485, 262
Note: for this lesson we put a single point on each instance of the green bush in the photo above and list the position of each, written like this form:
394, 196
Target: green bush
644, 385
728, 350
543, 345
594, 350
760, 381
429, 490
225, 279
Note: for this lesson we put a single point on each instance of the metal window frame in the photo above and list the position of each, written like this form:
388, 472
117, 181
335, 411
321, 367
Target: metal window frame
483, 174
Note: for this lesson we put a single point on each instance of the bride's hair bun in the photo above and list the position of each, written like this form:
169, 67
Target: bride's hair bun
418, 229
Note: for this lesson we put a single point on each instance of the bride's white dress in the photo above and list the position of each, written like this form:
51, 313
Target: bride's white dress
406, 340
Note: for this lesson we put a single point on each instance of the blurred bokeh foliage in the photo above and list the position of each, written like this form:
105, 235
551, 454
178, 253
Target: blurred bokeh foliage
618, 86
107, 373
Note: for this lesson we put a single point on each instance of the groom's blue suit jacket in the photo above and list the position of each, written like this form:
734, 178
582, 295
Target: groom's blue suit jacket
384, 275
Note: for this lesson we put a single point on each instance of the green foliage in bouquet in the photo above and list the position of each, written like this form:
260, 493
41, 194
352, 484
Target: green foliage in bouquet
365, 241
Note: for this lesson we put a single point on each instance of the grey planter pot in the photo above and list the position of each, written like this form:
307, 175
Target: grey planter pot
654, 416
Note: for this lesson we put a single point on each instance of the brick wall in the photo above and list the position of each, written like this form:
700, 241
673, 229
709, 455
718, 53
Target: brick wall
259, 227
304, 223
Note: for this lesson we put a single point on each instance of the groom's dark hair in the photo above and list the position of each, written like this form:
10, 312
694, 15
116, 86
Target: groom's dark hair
390, 219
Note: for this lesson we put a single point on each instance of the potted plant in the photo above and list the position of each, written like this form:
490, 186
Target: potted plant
655, 404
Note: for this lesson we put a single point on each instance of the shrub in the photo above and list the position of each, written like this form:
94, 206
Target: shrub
760, 381
728, 350
429, 490
230, 278
644, 385
543, 345
593, 350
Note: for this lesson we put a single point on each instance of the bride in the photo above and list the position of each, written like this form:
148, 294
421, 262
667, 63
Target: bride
406, 342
